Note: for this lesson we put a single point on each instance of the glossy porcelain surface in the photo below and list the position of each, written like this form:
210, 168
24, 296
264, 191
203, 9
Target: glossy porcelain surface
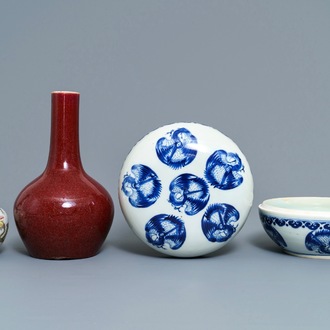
299, 225
185, 189
3, 225
64, 213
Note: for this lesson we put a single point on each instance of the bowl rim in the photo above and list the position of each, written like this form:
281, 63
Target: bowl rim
308, 208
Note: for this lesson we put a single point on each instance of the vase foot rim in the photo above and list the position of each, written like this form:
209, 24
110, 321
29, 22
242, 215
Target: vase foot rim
62, 257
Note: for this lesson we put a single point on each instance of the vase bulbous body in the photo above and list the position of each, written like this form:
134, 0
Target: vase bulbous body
64, 213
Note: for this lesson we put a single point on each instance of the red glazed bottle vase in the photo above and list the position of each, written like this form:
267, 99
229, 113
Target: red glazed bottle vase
64, 213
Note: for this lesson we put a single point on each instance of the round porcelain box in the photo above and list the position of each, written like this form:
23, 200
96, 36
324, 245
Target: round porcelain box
186, 189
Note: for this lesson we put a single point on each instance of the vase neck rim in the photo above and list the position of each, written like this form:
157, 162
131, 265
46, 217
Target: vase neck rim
65, 92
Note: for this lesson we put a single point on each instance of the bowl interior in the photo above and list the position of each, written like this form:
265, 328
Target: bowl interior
311, 207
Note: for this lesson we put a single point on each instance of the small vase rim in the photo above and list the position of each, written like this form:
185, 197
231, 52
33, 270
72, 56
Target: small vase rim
65, 92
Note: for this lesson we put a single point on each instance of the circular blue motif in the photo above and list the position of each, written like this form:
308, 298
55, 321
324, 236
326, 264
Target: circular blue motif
223, 170
177, 150
165, 231
142, 187
218, 222
318, 241
190, 192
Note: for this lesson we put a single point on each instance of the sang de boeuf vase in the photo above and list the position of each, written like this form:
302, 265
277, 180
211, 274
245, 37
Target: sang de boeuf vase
64, 213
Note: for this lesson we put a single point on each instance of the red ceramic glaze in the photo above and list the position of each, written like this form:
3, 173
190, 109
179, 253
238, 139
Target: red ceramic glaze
64, 213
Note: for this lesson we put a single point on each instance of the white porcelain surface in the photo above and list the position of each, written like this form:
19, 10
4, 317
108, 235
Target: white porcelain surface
186, 189
299, 225
3, 225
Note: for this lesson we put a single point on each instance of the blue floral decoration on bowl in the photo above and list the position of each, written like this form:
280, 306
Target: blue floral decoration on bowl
177, 150
142, 187
189, 192
318, 241
165, 231
218, 223
223, 170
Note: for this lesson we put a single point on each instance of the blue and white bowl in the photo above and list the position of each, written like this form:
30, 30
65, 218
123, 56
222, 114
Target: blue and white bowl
185, 189
299, 225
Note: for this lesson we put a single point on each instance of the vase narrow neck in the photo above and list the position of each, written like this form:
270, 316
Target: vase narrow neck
64, 152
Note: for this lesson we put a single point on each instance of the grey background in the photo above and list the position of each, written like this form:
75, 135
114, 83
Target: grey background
258, 71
